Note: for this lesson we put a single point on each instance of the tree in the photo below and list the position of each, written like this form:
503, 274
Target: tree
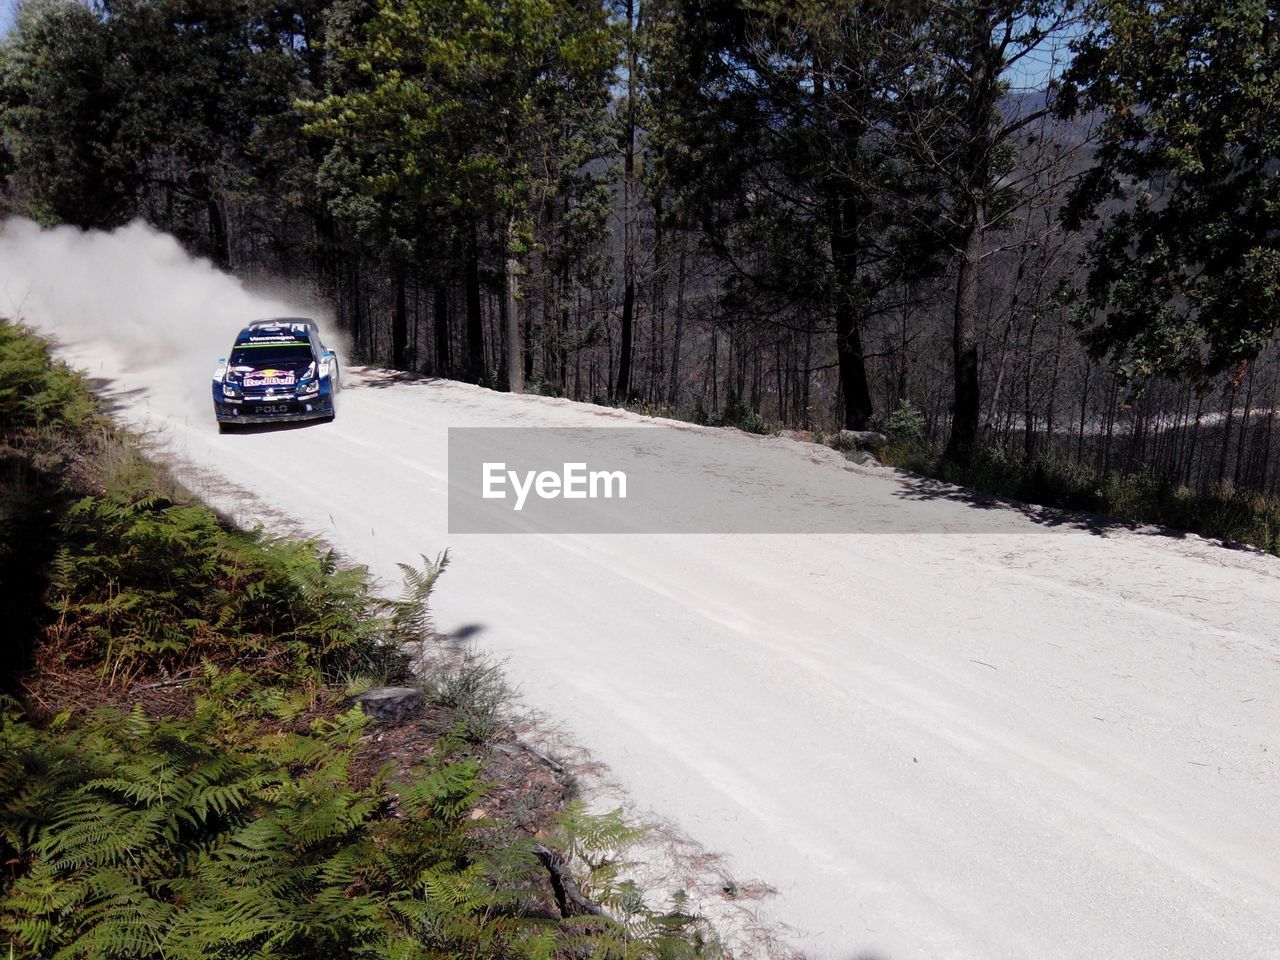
772, 122
1184, 267
148, 107
963, 130
470, 112
628, 117
61, 114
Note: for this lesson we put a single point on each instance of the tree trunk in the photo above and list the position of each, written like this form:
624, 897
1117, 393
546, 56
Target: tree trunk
983, 63
475, 321
510, 291
1265, 460
400, 317
805, 403
850, 359
357, 324
1028, 396
853, 369
1103, 458
1230, 401
1241, 449
221, 247
622, 392
715, 366
1084, 409
842, 223
964, 346
1051, 412
562, 334
658, 308
440, 328
1195, 437
673, 389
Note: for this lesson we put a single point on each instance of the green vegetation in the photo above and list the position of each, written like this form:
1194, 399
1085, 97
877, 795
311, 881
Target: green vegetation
906, 425
181, 774
172, 838
36, 393
1222, 513
736, 413
1185, 279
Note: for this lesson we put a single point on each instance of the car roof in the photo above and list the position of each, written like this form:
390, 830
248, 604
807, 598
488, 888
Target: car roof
282, 330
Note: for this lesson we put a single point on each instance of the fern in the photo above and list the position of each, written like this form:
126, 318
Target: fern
411, 618
35, 390
145, 838
147, 584
599, 843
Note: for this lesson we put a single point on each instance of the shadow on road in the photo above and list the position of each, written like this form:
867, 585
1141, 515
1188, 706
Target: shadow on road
380, 379
284, 425
112, 399
923, 489
465, 632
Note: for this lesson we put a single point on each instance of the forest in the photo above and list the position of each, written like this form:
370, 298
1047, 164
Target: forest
1006, 231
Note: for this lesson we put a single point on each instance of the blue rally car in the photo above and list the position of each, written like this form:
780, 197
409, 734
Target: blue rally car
278, 371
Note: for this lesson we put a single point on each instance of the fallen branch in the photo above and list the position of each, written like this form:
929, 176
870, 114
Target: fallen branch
569, 898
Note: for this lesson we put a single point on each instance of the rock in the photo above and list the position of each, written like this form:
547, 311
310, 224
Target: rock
859, 440
391, 704
863, 458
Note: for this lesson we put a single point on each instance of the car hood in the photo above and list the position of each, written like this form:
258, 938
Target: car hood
282, 373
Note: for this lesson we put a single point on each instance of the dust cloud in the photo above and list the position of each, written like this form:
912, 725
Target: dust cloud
132, 299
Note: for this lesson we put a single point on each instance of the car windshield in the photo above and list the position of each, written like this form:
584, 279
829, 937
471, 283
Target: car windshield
262, 355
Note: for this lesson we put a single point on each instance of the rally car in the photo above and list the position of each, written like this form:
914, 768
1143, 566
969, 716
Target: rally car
279, 370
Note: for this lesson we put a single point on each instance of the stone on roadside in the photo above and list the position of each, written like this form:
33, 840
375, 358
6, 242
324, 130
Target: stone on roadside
391, 704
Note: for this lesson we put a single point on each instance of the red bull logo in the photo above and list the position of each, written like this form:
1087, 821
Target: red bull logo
269, 378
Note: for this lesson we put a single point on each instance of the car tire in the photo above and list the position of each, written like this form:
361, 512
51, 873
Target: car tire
224, 427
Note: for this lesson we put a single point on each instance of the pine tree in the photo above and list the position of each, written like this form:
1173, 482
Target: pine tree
1184, 266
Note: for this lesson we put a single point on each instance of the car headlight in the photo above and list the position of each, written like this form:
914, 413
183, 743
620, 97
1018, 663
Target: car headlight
228, 390
308, 388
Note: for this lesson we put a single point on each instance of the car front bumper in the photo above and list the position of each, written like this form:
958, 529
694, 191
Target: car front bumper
288, 409
234, 416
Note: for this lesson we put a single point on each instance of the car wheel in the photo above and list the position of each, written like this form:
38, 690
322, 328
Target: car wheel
224, 427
